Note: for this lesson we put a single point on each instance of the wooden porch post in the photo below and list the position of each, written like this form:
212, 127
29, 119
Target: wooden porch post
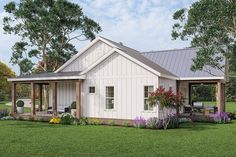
54, 98
33, 99
78, 99
13, 98
220, 94
40, 97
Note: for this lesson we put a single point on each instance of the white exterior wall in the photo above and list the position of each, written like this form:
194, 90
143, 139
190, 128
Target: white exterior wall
65, 94
166, 83
95, 52
128, 80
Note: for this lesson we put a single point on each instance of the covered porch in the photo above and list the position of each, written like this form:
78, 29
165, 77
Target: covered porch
186, 87
39, 81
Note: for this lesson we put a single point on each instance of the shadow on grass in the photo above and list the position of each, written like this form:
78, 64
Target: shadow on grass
197, 126
35, 124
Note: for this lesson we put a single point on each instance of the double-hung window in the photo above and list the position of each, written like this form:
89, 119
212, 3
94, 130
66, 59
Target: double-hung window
109, 97
147, 90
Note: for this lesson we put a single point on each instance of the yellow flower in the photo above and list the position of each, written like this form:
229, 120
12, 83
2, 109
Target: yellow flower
55, 120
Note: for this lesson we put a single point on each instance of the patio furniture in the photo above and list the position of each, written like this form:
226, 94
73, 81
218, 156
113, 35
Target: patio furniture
198, 106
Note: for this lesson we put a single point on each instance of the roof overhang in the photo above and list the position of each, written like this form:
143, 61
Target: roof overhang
81, 77
202, 78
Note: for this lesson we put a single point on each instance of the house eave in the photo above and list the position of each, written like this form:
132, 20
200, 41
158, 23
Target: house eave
202, 78
81, 77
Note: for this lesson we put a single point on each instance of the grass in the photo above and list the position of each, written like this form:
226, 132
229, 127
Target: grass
229, 106
4, 106
25, 138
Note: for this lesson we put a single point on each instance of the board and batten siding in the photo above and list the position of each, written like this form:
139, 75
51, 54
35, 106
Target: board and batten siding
128, 80
91, 55
167, 83
65, 94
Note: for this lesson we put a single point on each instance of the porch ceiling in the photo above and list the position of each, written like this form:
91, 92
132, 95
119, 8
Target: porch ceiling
75, 75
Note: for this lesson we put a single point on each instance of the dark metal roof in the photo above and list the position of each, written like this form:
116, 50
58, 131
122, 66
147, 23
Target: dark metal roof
179, 62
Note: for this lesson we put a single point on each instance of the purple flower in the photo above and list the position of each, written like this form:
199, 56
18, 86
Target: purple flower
140, 122
220, 117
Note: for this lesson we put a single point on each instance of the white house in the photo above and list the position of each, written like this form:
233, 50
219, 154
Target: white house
111, 81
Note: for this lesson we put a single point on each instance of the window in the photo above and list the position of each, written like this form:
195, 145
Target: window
92, 89
147, 90
110, 97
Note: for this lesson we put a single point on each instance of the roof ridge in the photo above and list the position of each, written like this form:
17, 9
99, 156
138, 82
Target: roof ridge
158, 51
119, 43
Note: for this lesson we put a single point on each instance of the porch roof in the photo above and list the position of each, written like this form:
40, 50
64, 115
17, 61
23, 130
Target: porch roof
49, 76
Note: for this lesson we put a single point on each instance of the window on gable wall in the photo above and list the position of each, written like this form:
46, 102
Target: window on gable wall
91, 89
109, 97
147, 90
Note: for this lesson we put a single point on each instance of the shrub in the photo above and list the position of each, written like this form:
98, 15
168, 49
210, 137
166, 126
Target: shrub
139, 122
232, 115
111, 123
8, 118
4, 112
20, 103
83, 121
94, 122
202, 119
67, 119
173, 122
152, 123
184, 120
126, 123
73, 105
55, 120
221, 117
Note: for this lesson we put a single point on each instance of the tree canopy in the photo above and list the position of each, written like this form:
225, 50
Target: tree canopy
46, 29
5, 86
211, 26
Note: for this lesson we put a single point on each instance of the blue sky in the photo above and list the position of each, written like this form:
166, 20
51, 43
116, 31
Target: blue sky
141, 24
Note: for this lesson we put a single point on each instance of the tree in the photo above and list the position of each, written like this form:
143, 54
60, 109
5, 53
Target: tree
211, 26
166, 100
46, 29
5, 86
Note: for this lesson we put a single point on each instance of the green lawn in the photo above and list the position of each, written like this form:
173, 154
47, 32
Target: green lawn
229, 106
3, 106
25, 138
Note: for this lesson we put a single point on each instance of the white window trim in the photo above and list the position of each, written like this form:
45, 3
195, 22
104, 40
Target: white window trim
154, 107
114, 109
89, 90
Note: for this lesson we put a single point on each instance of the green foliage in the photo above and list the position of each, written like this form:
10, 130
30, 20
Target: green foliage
211, 26
126, 123
83, 121
73, 105
111, 123
152, 123
231, 90
203, 92
4, 112
7, 118
94, 122
20, 103
67, 119
5, 86
47, 29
